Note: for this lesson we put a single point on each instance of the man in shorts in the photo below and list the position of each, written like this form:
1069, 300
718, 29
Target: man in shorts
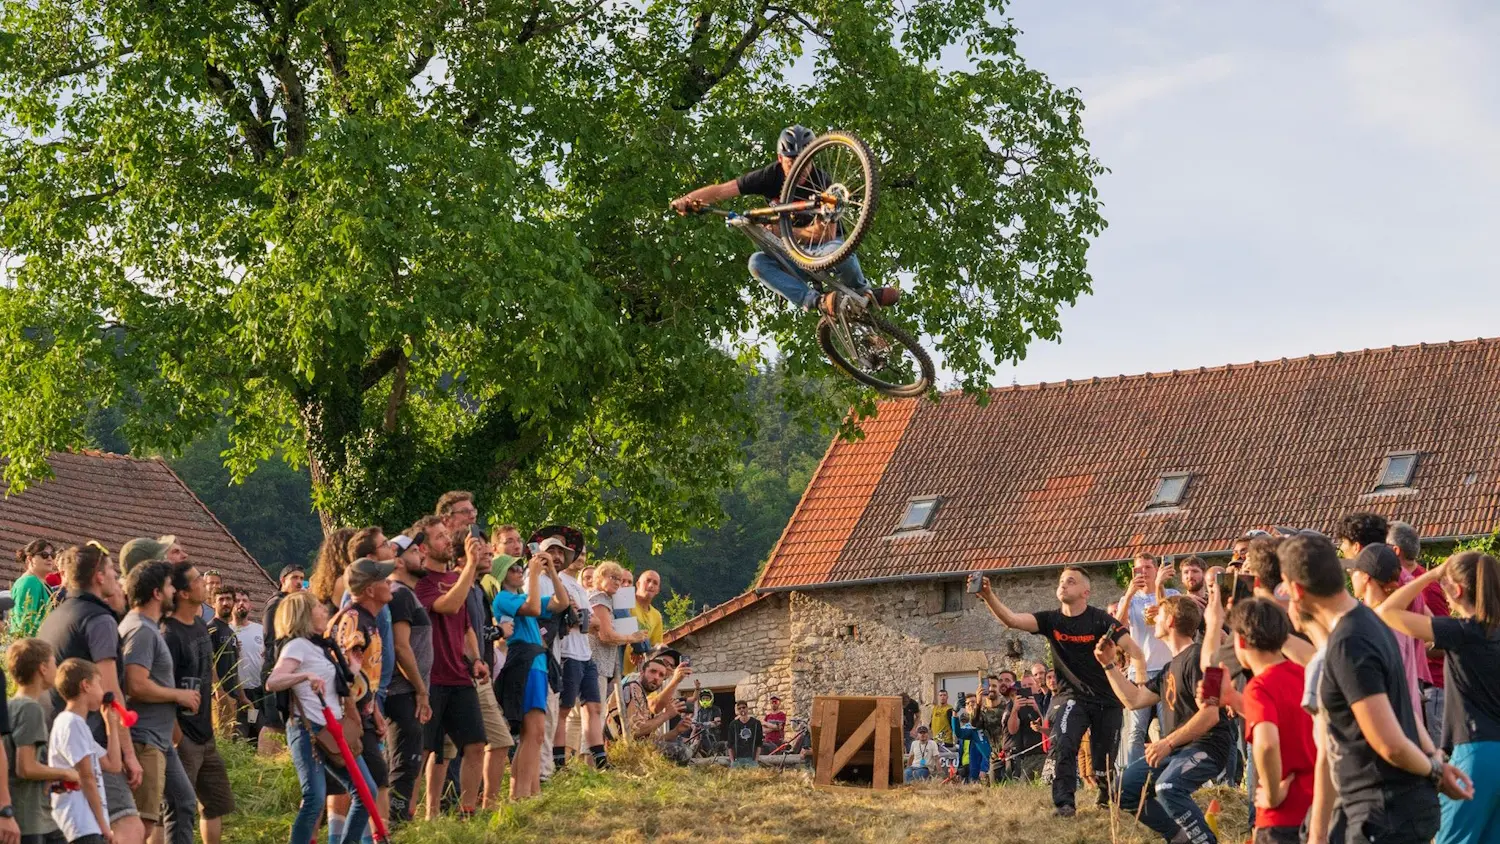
456, 666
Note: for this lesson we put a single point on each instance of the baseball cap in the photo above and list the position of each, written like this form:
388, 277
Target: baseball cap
144, 550
1378, 561
401, 542
364, 571
554, 542
775, 698
922, 728
572, 538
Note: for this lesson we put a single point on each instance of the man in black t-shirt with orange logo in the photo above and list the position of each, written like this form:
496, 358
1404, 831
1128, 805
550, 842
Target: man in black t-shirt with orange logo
1084, 701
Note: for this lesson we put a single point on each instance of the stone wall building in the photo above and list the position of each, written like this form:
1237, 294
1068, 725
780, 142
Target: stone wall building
864, 593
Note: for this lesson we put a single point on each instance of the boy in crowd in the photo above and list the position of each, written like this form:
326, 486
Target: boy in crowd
82, 815
1279, 730
745, 737
33, 666
1196, 737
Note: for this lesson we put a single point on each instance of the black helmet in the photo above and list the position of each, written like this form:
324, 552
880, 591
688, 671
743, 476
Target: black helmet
793, 140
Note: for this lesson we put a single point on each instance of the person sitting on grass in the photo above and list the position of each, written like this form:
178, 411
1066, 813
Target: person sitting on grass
924, 756
640, 720
1196, 736
82, 816
33, 665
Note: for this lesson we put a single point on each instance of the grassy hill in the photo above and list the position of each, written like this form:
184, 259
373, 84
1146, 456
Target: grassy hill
647, 799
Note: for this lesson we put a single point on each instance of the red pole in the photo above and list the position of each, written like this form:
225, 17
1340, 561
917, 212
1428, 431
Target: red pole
377, 823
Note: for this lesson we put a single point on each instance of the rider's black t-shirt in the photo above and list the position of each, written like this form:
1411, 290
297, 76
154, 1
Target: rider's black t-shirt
768, 180
1079, 675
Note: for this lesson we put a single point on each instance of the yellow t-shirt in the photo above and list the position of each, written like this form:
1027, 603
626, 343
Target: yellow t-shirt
942, 723
650, 621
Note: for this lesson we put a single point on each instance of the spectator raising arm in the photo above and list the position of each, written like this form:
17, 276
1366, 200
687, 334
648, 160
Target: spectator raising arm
1393, 610
454, 600
1023, 621
1130, 694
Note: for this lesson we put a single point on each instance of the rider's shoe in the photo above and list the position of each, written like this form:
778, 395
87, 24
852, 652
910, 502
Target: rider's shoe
828, 304
886, 296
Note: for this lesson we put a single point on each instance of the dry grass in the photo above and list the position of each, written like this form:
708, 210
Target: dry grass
648, 799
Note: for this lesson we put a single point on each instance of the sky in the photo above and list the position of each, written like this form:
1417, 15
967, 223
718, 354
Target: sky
1286, 178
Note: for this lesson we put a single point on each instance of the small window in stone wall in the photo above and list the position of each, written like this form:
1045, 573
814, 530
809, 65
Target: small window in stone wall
953, 596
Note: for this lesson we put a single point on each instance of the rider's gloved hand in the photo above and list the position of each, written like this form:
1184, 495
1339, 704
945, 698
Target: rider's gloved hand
684, 204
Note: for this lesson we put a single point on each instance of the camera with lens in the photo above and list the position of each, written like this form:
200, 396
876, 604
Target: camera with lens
492, 633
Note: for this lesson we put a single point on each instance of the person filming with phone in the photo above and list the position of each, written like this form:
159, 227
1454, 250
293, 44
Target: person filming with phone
1196, 735
530, 669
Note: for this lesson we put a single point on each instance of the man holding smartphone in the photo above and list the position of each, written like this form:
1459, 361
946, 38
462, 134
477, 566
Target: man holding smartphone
1083, 702
1023, 739
1196, 736
1143, 591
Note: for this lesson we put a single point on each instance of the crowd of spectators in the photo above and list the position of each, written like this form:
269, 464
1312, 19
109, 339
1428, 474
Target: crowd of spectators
448, 657
1355, 693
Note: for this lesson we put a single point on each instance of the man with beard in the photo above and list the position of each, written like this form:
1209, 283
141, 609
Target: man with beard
1084, 701
1190, 571
1387, 787
642, 722
407, 706
455, 665
229, 698
252, 641
647, 587
292, 578
192, 662
151, 683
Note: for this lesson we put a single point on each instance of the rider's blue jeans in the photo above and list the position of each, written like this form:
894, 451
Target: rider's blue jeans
793, 287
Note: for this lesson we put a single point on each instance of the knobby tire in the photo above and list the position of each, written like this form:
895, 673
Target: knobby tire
928, 374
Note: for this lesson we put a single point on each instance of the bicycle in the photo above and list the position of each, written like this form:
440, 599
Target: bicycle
801, 740
834, 182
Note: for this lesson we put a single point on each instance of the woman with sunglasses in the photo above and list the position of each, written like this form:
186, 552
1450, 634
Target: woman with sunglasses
32, 596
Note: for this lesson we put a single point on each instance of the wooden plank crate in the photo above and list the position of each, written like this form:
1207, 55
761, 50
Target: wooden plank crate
864, 731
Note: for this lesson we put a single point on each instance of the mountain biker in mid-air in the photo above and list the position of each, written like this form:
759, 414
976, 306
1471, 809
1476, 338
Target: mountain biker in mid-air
767, 182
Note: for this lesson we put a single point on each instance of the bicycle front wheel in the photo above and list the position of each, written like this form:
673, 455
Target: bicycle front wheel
836, 172
877, 354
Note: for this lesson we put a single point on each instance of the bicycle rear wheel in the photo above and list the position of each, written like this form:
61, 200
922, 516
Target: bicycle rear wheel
877, 354
838, 172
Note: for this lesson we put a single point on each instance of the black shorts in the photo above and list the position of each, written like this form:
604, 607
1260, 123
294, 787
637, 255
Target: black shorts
374, 755
580, 680
1278, 835
455, 714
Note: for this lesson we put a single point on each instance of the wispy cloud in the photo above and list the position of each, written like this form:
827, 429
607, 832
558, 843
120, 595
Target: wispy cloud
1118, 95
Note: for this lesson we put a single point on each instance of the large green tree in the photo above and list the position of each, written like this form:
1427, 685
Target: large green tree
421, 244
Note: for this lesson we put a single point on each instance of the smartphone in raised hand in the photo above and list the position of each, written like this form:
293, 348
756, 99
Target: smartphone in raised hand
1213, 682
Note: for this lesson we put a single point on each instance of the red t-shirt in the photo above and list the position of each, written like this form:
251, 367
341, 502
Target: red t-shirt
1437, 601
448, 668
1275, 697
775, 724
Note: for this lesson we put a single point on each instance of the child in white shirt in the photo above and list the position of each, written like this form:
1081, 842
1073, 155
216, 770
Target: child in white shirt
81, 815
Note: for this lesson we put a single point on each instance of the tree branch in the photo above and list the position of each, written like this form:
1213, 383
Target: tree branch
421, 59
85, 66
377, 367
782, 10
559, 26
293, 102
237, 106
700, 80
398, 395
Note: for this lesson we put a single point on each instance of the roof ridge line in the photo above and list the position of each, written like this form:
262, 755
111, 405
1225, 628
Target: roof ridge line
172, 473
1226, 367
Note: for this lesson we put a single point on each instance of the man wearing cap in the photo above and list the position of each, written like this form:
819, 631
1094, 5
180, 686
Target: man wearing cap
922, 759
291, 578
566, 544
357, 632
455, 665
142, 550
407, 705
775, 725
580, 675
1375, 572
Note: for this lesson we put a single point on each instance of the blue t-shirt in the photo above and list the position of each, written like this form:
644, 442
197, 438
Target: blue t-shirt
508, 605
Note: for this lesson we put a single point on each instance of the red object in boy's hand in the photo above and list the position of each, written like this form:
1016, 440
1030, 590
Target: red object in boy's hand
127, 717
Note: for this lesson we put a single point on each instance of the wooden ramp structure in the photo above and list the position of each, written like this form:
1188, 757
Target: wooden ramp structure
858, 734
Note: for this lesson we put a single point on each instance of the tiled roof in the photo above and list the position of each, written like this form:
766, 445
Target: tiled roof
709, 616
113, 499
1048, 474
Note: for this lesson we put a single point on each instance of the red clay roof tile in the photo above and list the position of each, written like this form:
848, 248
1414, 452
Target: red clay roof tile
1047, 474
113, 498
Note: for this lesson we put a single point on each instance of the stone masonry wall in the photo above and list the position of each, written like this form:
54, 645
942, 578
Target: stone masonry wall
752, 640
875, 640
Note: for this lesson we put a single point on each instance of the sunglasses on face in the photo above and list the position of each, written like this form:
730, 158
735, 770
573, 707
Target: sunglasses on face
46, 555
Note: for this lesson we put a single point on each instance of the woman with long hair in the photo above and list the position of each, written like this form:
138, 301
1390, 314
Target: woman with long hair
1471, 709
31, 593
307, 667
327, 584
